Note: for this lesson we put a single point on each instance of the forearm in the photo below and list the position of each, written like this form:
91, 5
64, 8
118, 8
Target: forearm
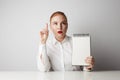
43, 60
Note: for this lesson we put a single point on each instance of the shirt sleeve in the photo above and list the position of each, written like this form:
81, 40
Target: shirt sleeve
42, 59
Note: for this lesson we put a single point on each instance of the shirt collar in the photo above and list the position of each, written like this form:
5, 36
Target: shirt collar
56, 41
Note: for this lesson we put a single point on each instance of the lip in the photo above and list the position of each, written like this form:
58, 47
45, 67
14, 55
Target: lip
60, 32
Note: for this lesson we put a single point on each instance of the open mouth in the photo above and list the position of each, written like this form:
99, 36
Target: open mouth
60, 32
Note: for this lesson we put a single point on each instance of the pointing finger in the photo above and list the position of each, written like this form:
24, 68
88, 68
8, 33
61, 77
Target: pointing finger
46, 27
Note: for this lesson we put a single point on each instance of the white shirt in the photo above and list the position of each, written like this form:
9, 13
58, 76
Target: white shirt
56, 55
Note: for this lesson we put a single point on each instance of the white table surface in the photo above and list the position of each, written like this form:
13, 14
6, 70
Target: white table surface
70, 75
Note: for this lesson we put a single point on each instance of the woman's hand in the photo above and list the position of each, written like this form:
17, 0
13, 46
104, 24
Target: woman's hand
44, 34
90, 60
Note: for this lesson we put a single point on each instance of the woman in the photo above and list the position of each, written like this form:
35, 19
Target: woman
56, 54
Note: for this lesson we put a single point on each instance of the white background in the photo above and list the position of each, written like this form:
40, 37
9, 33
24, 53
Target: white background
21, 21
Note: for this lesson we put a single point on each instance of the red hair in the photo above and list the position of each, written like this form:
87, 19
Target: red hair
58, 13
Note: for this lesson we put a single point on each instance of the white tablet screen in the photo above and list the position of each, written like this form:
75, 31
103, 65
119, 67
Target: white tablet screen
81, 48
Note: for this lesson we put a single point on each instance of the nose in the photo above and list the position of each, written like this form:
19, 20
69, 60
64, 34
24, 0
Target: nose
59, 26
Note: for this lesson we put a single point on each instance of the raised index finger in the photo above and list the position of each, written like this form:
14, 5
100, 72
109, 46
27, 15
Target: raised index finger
46, 27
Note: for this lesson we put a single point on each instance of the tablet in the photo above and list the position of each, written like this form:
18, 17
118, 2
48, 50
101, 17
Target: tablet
81, 48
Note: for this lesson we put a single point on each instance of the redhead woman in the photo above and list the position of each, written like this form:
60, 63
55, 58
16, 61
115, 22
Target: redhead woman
56, 54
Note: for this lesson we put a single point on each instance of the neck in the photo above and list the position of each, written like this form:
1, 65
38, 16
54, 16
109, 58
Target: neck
60, 39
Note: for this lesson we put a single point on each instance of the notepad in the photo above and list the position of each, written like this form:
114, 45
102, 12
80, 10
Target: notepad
81, 48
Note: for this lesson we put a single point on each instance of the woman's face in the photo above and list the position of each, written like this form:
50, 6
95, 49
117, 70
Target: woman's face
59, 25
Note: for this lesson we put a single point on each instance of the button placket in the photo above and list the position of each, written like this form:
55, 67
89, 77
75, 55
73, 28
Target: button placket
62, 56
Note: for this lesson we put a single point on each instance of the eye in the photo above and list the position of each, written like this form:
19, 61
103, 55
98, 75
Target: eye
64, 23
55, 23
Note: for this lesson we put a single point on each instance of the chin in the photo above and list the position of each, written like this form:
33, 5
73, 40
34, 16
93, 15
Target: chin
61, 35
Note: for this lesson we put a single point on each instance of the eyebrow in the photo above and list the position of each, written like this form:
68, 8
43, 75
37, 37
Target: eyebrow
62, 21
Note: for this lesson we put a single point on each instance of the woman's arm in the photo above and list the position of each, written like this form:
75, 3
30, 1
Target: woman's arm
43, 60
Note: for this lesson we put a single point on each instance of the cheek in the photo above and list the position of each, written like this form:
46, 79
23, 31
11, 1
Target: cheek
65, 28
54, 29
